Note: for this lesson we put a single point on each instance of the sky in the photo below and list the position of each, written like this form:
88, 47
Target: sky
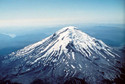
56, 12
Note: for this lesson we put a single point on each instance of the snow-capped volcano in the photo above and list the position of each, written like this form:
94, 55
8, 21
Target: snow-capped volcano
67, 53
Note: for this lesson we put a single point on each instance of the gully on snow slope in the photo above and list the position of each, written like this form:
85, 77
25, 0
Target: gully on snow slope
67, 53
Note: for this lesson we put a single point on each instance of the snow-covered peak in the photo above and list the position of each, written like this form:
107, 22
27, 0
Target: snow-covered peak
71, 33
79, 39
67, 53
59, 42
69, 28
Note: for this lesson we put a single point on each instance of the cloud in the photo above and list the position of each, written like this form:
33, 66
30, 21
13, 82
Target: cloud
10, 35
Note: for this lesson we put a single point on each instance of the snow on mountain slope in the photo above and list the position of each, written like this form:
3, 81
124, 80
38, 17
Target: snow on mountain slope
67, 53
